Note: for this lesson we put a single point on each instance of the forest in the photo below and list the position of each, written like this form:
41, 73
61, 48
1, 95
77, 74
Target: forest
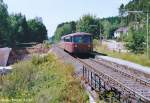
16, 29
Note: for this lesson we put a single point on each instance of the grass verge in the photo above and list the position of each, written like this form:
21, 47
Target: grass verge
136, 58
42, 80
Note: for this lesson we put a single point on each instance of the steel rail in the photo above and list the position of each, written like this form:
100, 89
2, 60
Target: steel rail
125, 74
145, 99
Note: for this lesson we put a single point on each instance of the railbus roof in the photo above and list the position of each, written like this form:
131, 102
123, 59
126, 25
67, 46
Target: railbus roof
78, 33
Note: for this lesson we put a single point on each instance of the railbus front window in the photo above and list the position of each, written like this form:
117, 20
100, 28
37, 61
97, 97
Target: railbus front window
82, 39
78, 39
67, 39
86, 39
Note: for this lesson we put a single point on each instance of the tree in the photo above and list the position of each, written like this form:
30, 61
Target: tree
143, 5
63, 29
37, 29
73, 26
15, 29
19, 28
137, 21
3, 21
89, 24
107, 28
109, 25
136, 42
121, 10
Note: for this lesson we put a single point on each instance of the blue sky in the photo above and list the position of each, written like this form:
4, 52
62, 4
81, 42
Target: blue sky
55, 12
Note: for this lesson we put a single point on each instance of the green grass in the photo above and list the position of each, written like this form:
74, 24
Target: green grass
136, 58
42, 80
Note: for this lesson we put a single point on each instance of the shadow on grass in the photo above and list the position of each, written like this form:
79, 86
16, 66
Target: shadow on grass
88, 55
101, 54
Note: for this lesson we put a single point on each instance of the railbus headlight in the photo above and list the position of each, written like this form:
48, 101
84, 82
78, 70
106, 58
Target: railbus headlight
75, 46
89, 46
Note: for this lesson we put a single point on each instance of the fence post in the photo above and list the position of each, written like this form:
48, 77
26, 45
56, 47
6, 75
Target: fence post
88, 76
91, 81
95, 80
83, 71
99, 85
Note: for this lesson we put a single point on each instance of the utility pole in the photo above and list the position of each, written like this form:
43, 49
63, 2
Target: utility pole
100, 35
147, 34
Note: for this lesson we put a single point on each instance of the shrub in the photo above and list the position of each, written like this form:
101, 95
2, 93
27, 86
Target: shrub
46, 44
37, 59
43, 80
135, 41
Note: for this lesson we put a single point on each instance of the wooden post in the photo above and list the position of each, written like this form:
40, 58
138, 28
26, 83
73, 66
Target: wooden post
99, 85
119, 97
95, 80
104, 86
83, 71
91, 81
88, 76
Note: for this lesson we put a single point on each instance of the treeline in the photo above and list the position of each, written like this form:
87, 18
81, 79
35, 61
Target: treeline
135, 5
90, 24
16, 29
139, 5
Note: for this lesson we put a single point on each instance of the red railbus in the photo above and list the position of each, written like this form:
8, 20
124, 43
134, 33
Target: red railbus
77, 43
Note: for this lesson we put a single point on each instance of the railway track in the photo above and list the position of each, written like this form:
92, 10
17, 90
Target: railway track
101, 76
127, 85
136, 77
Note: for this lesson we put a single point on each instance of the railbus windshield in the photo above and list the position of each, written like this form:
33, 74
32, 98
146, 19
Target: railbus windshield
82, 39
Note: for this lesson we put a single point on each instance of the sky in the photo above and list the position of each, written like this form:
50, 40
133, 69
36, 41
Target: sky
54, 12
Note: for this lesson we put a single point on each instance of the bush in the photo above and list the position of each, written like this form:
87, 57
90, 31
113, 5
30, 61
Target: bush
37, 59
43, 80
95, 43
46, 44
136, 44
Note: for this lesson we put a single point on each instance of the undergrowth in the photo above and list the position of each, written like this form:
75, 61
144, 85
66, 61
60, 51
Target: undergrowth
42, 80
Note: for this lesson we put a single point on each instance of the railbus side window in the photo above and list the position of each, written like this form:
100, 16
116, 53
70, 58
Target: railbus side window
65, 39
62, 39
68, 39
71, 39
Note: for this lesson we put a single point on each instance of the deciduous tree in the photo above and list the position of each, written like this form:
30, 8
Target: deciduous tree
89, 24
